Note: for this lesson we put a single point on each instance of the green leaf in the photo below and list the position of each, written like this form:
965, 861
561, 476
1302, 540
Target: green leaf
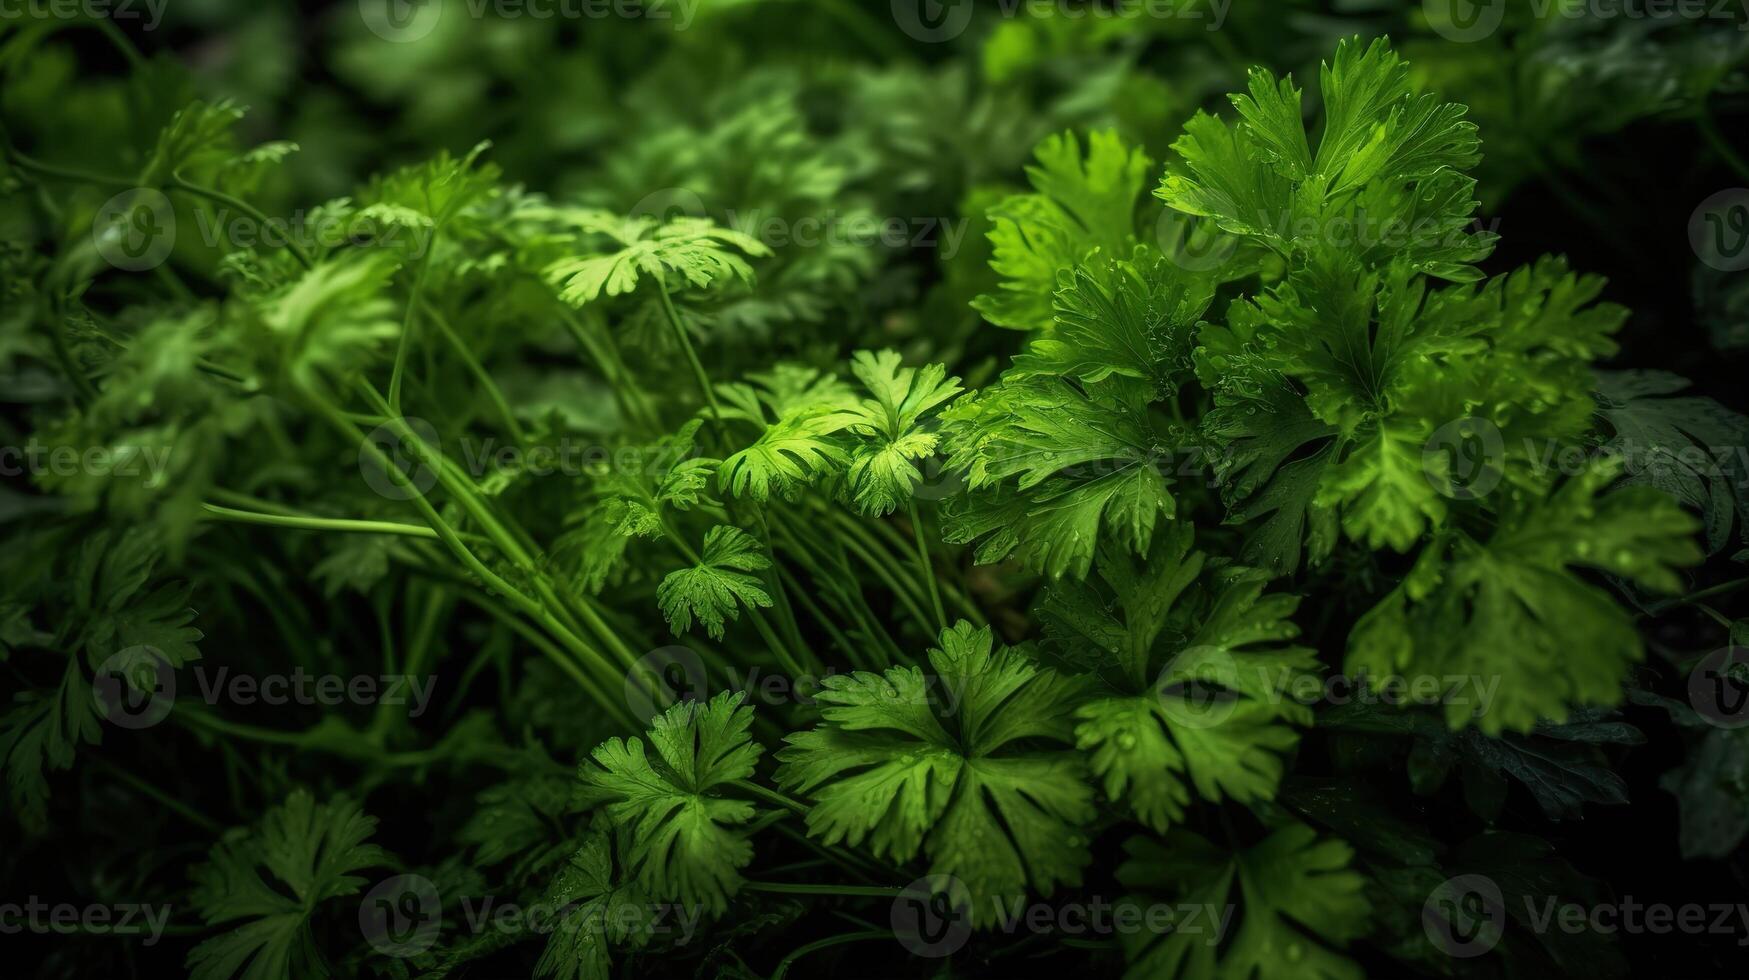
1512, 608
1689, 447
599, 910
1298, 904
798, 413
1079, 205
270, 881
1385, 182
883, 462
715, 588
952, 763
1199, 691
326, 326
685, 845
1133, 318
693, 251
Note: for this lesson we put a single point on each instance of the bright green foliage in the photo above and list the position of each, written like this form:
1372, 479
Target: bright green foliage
326, 325
685, 843
1080, 204
1301, 904
1388, 163
637, 494
1199, 693
1202, 446
1510, 607
716, 587
266, 884
1072, 424
797, 411
883, 465
692, 251
599, 911
940, 762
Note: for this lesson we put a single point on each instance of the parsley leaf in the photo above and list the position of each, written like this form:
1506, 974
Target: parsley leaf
303, 848
714, 589
941, 762
684, 843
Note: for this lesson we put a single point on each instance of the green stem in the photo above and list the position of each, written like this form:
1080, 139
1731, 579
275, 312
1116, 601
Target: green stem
849, 650
927, 565
884, 570
1706, 593
607, 359
319, 523
404, 343
177, 182
23, 162
82, 386
797, 888
164, 799
499, 402
829, 941
770, 796
698, 372
1710, 130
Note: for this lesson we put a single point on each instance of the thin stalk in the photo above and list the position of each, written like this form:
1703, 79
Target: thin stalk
164, 799
23, 162
698, 372
850, 652
829, 941
851, 598
499, 402
1706, 593
178, 182
319, 523
798, 888
85, 391
895, 570
786, 612
884, 572
404, 343
606, 357
770, 796
928, 566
